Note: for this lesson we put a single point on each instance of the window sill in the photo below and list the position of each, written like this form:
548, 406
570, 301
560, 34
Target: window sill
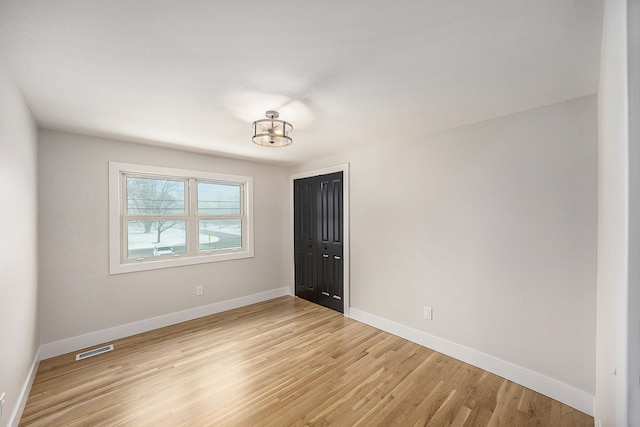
133, 266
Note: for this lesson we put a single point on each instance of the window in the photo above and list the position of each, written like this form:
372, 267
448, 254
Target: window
161, 217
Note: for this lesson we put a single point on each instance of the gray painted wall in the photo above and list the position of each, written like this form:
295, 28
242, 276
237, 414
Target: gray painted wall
18, 251
78, 294
494, 225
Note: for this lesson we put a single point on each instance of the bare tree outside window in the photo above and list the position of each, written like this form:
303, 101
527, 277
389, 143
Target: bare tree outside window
151, 196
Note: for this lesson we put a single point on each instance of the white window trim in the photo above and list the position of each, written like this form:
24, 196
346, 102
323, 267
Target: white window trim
116, 245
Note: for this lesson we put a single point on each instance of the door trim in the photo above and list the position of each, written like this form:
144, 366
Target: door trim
344, 168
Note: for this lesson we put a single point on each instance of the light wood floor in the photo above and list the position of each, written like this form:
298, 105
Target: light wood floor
284, 362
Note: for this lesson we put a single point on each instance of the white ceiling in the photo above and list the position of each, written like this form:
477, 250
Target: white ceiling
195, 74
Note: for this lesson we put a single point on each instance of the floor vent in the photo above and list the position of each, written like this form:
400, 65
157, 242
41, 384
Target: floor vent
94, 352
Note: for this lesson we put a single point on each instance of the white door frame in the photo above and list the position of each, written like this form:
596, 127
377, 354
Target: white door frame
344, 168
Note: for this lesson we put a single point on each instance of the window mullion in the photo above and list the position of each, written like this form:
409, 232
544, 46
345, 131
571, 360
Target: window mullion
214, 216
194, 233
155, 217
124, 230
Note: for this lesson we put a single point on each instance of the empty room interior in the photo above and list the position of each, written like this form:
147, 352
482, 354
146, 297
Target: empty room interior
320, 213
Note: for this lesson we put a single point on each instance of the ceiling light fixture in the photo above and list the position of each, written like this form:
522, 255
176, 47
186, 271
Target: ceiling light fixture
272, 132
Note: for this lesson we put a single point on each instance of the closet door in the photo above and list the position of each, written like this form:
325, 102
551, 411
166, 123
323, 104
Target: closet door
304, 238
318, 224
329, 233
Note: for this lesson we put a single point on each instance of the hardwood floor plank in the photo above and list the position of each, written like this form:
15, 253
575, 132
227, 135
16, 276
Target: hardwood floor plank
284, 362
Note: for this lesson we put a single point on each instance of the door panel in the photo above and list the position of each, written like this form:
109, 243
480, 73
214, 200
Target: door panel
304, 240
337, 211
323, 284
318, 224
336, 286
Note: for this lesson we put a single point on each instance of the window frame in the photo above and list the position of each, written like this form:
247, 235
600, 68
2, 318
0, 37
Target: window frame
118, 217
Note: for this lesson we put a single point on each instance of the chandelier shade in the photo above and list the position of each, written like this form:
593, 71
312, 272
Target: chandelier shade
272, 132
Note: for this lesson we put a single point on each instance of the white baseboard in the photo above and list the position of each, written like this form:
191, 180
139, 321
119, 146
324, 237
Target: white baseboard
94, 338
543, 384
21, 402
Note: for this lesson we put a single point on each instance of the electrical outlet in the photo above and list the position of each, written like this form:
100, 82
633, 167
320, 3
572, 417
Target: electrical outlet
2, 398
428, 313
199, 290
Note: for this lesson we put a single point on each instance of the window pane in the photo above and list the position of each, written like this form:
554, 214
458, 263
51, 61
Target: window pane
220, 234
154, 196
218, 199
156, 238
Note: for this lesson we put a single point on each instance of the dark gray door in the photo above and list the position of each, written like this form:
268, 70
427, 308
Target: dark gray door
318, 241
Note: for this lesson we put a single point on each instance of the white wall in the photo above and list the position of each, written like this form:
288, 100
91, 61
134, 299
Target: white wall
78, 296
18, 253
613, 158
633, 305
618, 336
494, 225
